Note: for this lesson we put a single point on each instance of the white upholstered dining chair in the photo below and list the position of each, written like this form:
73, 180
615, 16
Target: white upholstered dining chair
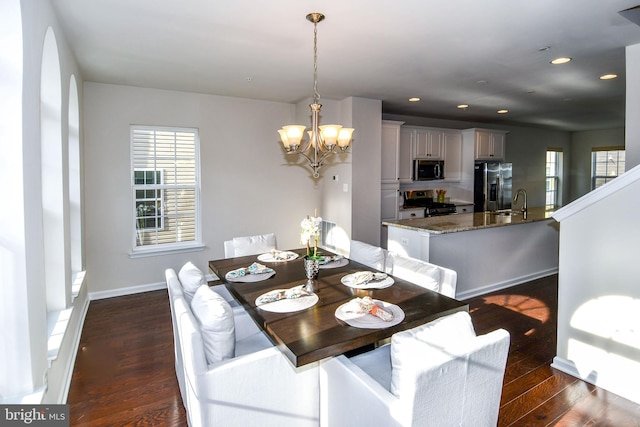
369, 255
249, 245
438, 374
437, 278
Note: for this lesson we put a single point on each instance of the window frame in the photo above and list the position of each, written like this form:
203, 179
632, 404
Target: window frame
175, 246
606, 178
556, 178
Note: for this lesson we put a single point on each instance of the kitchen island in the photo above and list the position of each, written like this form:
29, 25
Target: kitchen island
489, 251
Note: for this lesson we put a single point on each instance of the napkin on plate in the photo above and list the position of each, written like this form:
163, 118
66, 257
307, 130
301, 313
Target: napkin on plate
363, 277
279, 294
367, 305
281, 255
327, 259
255, 268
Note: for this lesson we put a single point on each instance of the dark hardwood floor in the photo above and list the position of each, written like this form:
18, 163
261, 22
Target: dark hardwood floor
124, 372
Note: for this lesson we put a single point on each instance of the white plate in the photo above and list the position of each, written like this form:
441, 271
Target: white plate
268, 257
369, 321
335, 264
250, 277
375, 284
288, 305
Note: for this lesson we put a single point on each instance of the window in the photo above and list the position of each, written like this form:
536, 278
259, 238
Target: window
165, 182
606, 164
553, 176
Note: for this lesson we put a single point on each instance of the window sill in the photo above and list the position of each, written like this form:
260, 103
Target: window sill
173, 249
58, 321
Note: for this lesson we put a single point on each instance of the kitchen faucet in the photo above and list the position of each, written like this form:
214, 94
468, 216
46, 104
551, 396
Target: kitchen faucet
524, 205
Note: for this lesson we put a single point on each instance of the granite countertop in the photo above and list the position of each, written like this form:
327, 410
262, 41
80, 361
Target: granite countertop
470, 221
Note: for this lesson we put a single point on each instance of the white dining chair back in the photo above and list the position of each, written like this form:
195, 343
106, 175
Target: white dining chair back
250, 245
438, 374
422, 273
369, 255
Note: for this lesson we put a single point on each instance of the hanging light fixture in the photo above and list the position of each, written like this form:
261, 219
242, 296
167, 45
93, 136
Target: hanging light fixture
323, 140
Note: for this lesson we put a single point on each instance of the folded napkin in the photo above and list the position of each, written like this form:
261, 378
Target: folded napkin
363, 277
279, 294
327, 259
367, 305
255, 268
282, 255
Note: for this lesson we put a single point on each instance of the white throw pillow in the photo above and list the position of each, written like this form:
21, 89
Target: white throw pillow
369, 255
216, 324
191, 278
420, 348
416, 271
252, 245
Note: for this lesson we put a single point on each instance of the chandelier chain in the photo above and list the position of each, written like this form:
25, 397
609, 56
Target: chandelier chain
316, 95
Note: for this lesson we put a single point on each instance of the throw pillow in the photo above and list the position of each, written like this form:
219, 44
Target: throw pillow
191, 279
217, 326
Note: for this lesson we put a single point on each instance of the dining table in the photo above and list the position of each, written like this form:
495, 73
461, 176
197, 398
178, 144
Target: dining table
320, 330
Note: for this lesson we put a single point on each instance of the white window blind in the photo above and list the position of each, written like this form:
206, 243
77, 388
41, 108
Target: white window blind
165, 186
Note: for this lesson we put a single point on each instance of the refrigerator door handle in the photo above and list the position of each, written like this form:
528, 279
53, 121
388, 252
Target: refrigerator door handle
499, 191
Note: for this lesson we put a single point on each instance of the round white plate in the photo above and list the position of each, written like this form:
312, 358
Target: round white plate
250, 277
268, 257
369, 321
374, 284
335, 264
288, 305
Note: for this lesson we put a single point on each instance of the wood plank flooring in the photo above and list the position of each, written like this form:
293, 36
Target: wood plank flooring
124, 371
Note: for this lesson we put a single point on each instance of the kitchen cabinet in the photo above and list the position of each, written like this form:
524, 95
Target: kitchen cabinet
390, 151
411, 213
464, 209
405, 156
428, 144
389, 201
489, 144
452, 141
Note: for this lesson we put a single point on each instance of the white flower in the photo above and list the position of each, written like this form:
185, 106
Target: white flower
310, 230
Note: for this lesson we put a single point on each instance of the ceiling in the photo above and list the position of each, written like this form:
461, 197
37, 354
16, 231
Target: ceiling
490, 54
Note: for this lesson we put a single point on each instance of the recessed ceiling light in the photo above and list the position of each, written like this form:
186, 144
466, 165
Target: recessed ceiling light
503, 111
463, 106
608, 76
415, 99
544, 48
482, 82
561, 61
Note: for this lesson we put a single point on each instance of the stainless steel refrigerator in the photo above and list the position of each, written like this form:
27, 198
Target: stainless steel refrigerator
492, 186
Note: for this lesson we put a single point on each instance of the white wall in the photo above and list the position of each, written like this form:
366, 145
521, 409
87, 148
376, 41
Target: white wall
633, 106
247, 183
598, 292
24, 311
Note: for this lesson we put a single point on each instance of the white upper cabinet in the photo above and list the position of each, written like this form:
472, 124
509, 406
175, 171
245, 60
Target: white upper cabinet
405, 157
390, 151
452, 141
489, 144
428, 144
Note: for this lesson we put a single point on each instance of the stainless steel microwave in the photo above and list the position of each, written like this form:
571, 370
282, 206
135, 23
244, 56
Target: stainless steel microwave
427, 170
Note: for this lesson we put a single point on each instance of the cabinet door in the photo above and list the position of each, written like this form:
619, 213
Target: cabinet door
389, 161
389, 199
405, 157
483, 144
452, 156
435, 146
497, 145
420, 143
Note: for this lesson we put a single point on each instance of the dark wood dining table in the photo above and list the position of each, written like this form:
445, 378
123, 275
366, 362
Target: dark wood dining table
315, 333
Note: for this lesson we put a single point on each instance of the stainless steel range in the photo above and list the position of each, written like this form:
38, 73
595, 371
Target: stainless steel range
424, 199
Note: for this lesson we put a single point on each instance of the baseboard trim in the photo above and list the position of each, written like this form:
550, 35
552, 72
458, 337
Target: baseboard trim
506, 284
568, 367
131, 290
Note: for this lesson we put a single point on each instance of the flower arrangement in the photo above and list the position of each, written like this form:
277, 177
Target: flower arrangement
309, 235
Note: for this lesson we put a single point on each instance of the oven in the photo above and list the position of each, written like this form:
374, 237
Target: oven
424, 199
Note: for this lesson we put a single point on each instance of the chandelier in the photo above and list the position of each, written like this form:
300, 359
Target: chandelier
323, 140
